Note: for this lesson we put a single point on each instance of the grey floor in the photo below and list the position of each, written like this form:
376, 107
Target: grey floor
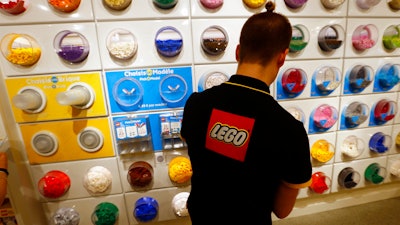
384, 212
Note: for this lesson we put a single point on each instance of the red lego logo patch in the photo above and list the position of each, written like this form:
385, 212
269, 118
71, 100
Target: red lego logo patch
229, 134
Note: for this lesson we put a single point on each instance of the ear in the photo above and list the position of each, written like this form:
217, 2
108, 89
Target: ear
237, 52
282, 57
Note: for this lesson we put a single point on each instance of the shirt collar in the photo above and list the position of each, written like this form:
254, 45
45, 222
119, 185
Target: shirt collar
249, 81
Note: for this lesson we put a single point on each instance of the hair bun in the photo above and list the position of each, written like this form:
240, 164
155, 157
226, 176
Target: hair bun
270, 6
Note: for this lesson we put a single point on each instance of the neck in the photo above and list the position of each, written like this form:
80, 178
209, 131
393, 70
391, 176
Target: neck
266, 73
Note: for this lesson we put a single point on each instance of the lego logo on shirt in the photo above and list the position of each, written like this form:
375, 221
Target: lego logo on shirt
229, 134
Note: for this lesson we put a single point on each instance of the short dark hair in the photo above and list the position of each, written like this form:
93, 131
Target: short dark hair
264, 35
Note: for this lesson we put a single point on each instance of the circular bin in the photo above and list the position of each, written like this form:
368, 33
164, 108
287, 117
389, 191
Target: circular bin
179, 205
348, 178
295, 4
65, 6
117, 5
211, 4
214, 40
325, 116
105, 213
322, 151
128, 92
180, 170
360, 77
173, 89
90, 139
121, 44
352, 146
165, 4
327, 79
14, 7
300, 38
375, 173
385, 110
331, 37
388, 76
391, 37
212, 79
66, 216
380, 142
54, 184
297, 113
71, 46
367, 4
140, 174
97, 179
365, 37
294, 81
168, 41
332, 4
254, 4
20, 49
44, 143
320, 182
355, 114
146, 209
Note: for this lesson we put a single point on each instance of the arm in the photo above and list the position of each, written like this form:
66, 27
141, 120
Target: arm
285, 199
3, 176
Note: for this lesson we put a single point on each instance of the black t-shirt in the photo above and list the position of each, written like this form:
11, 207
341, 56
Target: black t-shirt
241, 144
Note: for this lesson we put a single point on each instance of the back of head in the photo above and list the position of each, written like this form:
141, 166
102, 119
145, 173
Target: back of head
264, 35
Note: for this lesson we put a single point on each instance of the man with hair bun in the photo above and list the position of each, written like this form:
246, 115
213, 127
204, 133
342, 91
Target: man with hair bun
249, 155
